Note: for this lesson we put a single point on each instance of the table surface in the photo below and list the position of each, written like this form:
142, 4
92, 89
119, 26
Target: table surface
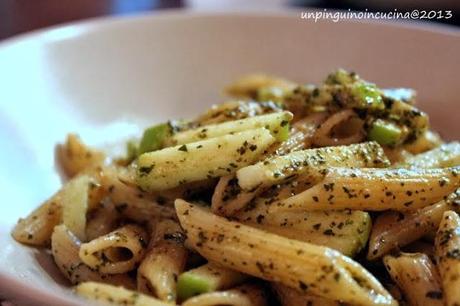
19, 16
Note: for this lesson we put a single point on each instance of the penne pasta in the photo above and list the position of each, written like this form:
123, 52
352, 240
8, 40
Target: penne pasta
115, 296
447, 246
277, 123
310, 268
427, 141
75, 157
245, 295
396, 155
301, 167
248, 86
416, 275
116, 252
38, 227
415, 119
300, 136
276, 169
174, 166
396, 293
446, 155
345, 231
347, 245
299, 178
290, 297
65, 247
101, 221
132, 203
75, 201
229, 198
351, 129
165, 260
207, 278
393, 230
421, 246
374, 189
81, 194
235, 110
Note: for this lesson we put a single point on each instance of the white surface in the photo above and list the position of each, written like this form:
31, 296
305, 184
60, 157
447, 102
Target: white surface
102, 77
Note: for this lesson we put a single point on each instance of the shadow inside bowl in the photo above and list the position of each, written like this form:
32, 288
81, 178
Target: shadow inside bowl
46, 262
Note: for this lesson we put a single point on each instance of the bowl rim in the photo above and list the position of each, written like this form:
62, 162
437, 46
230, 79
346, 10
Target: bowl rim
24, 292
93, 23
14, 284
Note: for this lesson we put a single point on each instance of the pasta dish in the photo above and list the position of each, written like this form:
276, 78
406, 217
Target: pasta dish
286, 194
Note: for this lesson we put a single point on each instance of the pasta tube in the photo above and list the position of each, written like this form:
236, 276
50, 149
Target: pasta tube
374, 189
116, 252
175, 166
446, 155
393, 230
235, 110
165, 260
245, 295
301, 135
447, 249
319, 270
248, 86
425, 142
416, 275
421, 246
207, 278
276, 169
308, 166
228, 197
65, 246
101, 221
352, 126
416, 120
37, 228
291, 297
115, 296
75, 201
276, 123
345, 231
130, 202
75, 157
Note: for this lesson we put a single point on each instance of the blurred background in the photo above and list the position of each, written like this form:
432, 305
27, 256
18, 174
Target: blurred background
19, 16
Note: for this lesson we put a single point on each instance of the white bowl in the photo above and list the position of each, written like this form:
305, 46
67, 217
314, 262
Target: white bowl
99, 77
